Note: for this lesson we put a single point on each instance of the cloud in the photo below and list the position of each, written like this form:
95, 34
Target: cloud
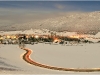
59, 6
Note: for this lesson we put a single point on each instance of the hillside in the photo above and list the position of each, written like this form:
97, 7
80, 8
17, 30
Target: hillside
80, 22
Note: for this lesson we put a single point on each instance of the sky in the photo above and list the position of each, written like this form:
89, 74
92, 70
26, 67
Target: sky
49, 6
22, 11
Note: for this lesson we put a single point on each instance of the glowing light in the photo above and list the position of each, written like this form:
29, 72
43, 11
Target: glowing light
27, 36
56, 40
36, 36
75, 36
1, 38
8, 36
13, 37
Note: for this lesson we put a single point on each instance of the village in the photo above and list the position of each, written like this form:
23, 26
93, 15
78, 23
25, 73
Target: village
45, 36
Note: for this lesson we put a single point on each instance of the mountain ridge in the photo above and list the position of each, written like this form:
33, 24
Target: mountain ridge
79, 22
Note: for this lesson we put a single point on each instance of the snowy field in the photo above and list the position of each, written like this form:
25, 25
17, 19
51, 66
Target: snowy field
70, 56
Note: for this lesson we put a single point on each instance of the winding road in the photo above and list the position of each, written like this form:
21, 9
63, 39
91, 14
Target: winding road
27, 58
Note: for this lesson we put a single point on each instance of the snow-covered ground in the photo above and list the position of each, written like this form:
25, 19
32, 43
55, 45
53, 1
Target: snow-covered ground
72, 56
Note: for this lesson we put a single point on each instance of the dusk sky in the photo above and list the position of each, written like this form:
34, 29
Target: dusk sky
49, 6
29, 10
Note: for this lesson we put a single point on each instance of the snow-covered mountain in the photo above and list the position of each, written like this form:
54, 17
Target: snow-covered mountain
82, 22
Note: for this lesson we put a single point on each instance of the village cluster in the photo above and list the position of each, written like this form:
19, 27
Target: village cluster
34, 37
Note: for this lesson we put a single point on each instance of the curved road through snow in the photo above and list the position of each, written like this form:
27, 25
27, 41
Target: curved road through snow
27, 58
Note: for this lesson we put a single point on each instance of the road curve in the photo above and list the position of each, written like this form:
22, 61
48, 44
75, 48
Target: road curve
27, 58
